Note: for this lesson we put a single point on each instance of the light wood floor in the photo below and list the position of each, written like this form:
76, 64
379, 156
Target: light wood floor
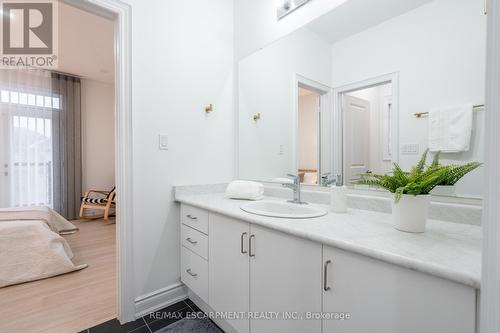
71, 302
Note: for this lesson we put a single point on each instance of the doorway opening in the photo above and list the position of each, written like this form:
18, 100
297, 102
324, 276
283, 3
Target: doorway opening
309, 135
32, 123
368, 112
312, 114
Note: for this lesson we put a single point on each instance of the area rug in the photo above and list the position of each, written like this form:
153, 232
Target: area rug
184, 325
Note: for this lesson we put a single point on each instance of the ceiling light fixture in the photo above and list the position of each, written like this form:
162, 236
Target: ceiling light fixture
288, 7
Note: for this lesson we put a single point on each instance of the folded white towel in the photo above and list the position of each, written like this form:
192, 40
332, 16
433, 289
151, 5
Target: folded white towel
450, 128
243, 189
282, 180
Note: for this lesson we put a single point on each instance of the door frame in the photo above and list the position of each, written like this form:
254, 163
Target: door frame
489, 320
121, 13
338, 120
324, 92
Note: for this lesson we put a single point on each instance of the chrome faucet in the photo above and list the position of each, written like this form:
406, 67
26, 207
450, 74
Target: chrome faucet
295, 187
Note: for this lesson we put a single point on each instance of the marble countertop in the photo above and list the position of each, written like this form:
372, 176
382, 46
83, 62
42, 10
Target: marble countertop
448, 250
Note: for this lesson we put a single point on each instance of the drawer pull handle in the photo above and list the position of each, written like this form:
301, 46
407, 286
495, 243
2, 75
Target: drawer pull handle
191, 217
243, 251
191, 241
190, 273
250, 253
325, 276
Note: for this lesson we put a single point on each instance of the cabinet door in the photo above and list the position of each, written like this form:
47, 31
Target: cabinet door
385, 298
229, 268
285, 278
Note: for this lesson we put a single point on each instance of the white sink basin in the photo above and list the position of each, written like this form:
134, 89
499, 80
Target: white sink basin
282, 209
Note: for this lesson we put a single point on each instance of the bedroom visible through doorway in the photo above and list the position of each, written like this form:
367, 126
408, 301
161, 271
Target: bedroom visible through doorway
57, 154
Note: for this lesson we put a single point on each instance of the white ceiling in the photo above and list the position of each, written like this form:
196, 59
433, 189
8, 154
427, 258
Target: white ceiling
86, 44
355, 16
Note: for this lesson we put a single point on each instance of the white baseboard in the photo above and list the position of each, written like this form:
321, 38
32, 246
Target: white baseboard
159, 299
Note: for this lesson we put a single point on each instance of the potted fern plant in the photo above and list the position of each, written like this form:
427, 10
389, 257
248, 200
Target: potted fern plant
456, 172
411, 192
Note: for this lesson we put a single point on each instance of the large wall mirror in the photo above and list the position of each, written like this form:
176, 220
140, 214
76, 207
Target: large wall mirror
351, 93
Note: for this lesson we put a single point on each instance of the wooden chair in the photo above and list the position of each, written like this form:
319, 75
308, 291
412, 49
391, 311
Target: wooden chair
95, 199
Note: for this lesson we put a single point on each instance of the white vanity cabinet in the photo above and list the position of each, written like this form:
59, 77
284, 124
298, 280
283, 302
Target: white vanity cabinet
239, 268
229, 272
381, 297
285, 272
257, 270
194, 248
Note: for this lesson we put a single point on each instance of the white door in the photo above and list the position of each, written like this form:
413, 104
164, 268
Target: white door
285, 278
356, 137
229, 268
384, 298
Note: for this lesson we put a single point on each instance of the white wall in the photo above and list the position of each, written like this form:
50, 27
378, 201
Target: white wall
98, 135
441, 61
256, 24
308, 131
266, 86
182, 60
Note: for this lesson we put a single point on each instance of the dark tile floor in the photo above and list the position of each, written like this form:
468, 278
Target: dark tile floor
149, 323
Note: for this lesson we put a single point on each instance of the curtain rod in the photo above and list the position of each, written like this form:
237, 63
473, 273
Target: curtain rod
425, 114
55, 72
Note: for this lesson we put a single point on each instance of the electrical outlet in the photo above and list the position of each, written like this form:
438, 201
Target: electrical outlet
410, 149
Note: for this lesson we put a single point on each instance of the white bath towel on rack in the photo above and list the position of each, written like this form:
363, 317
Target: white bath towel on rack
450, 128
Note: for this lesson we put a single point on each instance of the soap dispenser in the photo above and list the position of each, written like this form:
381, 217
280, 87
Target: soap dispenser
338, 196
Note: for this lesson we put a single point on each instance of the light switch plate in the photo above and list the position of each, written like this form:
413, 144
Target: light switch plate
163, 141
410, 149
281, 150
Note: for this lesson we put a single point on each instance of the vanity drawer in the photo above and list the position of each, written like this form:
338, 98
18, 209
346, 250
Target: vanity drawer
195, 218
194, 273
194, 240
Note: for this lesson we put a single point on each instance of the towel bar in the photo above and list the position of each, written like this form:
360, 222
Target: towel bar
425, 114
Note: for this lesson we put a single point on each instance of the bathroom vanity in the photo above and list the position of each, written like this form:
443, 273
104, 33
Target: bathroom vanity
348, 95
336, 273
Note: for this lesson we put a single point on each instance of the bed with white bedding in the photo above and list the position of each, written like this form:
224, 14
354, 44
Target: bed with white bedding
31, 246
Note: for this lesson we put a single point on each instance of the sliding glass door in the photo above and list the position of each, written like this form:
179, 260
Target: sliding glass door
26, 152
31, 161
40, 147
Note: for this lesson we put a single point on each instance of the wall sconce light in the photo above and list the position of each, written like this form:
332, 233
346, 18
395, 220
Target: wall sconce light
256, 116
288, 7
209, 108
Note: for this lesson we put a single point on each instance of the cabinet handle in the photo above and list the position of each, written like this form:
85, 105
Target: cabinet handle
190, 273
241, 243
251, 254
191, 241
191, 217
325, 276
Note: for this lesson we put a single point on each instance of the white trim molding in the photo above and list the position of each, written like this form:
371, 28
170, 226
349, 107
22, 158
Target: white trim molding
159, 299
121, 13
490, 284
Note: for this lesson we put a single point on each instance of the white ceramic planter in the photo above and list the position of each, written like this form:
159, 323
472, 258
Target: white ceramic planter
410, 213
444, 190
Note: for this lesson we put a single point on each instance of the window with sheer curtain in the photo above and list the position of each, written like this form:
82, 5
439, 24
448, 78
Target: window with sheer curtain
40, 140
